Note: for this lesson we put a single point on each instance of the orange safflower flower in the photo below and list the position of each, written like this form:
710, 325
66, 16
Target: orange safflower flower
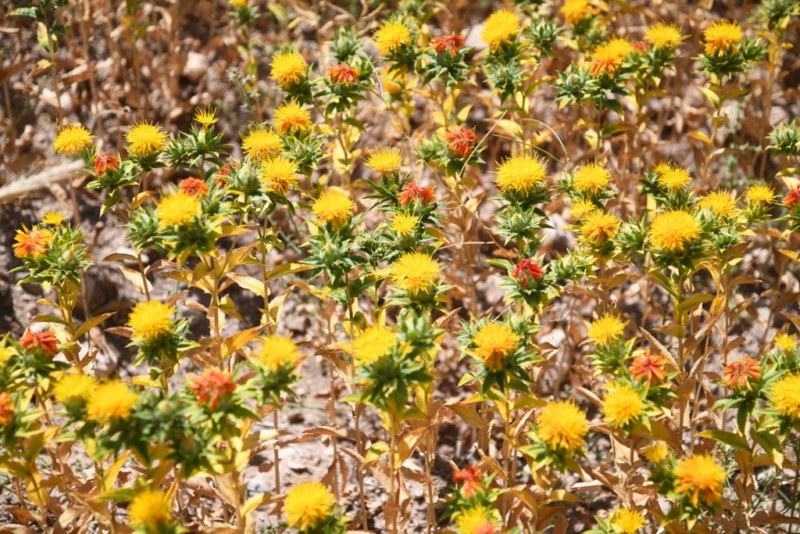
6, 409
44, 341
460, 141
649, 367
451, 43
194, 187
342, 73
213, 386
104, 163
414, 191
470, 479
741, 373
32, 243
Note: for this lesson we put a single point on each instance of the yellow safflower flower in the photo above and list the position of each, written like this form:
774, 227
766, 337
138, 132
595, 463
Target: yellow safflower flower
520, 174
663, 35
622, 405
785, 396
261, 143
598, 227
291, 117
605, 329
391, 36
110, 400
385, 160
494, 342
279, 174
404, 224
333, 206
373, 344
575, 11
760, 194
308, 505
669, 176
722, 36
562, 425
150, 508
145, 140
700, 478
288, 68
150, 320
73, 386
501, 27
416, 273
627, 521
177, 209
719, 203
591, 179
72, 140
276, 352
672, 231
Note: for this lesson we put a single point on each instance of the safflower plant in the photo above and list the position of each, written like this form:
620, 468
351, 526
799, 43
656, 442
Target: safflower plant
501, 268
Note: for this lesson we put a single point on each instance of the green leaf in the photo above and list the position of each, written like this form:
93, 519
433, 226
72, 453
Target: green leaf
729, 438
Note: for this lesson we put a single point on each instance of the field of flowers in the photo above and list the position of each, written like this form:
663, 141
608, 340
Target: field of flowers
359, 266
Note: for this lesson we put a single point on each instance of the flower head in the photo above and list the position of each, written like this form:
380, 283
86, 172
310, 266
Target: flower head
793, 198
72, 140
719, 203
649, 367
627, 521
460, 141
145, 140
308, 505
206, 117
288, 69
150, 320
391, 36
663, 35
261, 143
279, 174
700, 478
333, 207
104, 163
177, 209
291, 118
742, 373
598, 227
213, 386
475, 520
6, 408
622, 405
607, 58
470, 479
562, 425
493, 343
447, 43
591, 179
672, 231
760, 194
501, 27
276, 352
384, 160
373, 344
74, 386
412, 191
581, 208
671, 177
32, 243
44, 342
656, 452
722, 36
53, 218
606, 329
526, 271
575, 11
785, 342
150, 508
785, 396
520, 174
416, 273
194, 187
109, 401
404, 224
344, 74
